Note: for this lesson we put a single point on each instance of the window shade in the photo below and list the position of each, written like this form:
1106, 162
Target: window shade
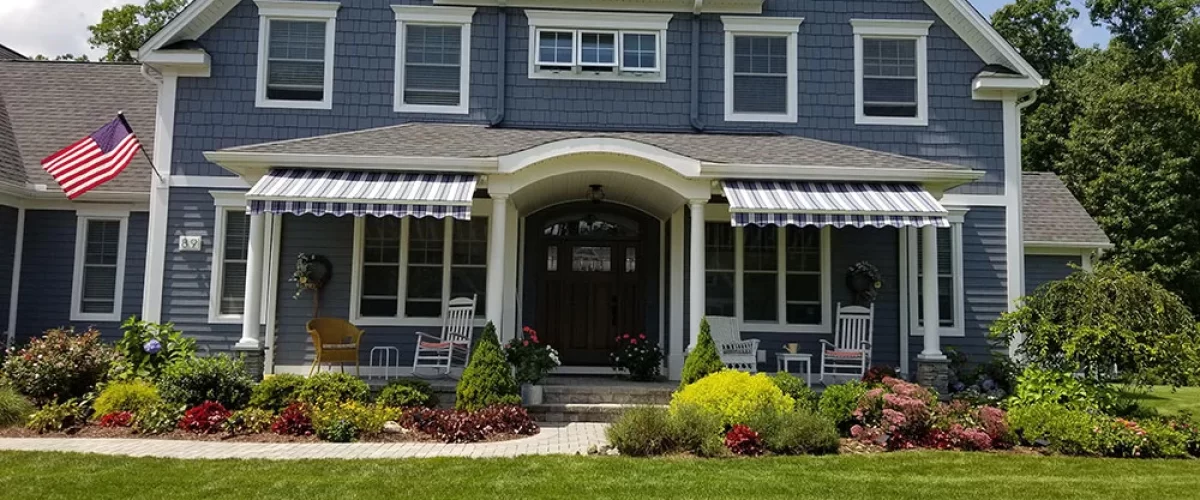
432, 64
889, 77
233, 267
760, 74
296, 60
99, 283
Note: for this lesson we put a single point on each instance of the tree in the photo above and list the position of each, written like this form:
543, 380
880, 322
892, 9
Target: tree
488, 379
1148, 27
62, 57
1093, 322
122, 30
703, 359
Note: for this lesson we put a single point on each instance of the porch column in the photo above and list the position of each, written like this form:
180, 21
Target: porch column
696, 276
496, 259
251, 342
932, 366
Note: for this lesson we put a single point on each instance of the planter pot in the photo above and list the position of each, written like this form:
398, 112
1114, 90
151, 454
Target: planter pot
531, 394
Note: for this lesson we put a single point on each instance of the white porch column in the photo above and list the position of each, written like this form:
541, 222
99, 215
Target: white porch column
696, 275
678, 321
255, 253
929, 293
495, 270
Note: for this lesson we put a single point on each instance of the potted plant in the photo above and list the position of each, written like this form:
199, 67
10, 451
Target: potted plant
864, 281
532, 360
638, 356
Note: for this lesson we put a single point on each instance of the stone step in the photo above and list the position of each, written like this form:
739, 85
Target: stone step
561, 413
566, 394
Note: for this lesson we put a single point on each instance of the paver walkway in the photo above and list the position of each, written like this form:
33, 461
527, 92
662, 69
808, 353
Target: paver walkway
565, 439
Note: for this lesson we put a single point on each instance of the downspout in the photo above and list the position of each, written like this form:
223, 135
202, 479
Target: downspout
1033, 97
15, 290
501, 63
697, 124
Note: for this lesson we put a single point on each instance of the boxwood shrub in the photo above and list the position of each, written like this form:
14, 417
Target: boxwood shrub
192, 381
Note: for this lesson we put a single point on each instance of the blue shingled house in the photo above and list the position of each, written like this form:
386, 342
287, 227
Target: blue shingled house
596, 168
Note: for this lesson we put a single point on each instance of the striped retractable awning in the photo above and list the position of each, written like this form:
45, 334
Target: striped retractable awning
342, 192
838, 204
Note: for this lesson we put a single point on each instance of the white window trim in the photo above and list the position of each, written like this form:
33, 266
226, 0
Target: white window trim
763, 26
720, 213
82, 218
617, 59
909, 246
225, 202
481, 208
892, 29
269, 10
537, 42
603, 22
445, 16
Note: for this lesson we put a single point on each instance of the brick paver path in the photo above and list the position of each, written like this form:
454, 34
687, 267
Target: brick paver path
565, 439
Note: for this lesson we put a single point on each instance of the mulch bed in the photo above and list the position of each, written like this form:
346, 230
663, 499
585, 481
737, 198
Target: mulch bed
94, 431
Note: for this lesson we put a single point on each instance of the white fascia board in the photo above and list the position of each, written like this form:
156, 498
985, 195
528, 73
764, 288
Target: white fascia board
979, 34
1057, 247
242, 163
598, 20
191, 22
292, 8
429, 14
762, 24
820, 172
191, 63
689, 6
891, 27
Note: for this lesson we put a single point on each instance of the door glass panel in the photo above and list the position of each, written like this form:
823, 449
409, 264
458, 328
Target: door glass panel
630, 260
591, 259
591, 226
551, 258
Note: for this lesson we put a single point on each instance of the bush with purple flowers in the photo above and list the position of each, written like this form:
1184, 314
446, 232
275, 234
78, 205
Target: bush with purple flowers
148, 348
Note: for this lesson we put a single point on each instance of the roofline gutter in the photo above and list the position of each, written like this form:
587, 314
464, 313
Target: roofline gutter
1069, 245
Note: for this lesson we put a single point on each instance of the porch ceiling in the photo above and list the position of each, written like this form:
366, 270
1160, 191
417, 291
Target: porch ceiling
626, 189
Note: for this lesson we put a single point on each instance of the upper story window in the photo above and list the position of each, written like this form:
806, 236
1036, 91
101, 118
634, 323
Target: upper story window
433, 59
99, 281
760, 68
890, 75
598, 45
295, 54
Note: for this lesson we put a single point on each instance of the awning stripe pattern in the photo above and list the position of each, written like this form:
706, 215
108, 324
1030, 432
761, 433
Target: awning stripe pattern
838, 204
357, 193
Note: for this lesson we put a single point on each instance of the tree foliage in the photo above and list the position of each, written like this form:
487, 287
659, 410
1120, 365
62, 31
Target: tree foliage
488, 379
703, 359
1095, 322
1149, 27
122, 30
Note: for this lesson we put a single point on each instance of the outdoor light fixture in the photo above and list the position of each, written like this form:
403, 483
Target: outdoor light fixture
596, 193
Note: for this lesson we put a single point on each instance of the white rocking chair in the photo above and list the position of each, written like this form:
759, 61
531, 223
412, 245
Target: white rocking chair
735, 353
850, 352
440, 352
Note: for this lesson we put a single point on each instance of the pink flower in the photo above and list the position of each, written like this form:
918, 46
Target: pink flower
642, 336
626, 335
633, 341
525, 342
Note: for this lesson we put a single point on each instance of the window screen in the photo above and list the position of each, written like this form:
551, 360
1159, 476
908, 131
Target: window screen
233, 267
296, 60
432, 65
760, 74
889, 77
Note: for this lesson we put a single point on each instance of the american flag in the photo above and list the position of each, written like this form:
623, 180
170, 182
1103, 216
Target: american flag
95, 159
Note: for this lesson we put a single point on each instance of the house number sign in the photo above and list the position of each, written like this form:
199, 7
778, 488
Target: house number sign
188, 243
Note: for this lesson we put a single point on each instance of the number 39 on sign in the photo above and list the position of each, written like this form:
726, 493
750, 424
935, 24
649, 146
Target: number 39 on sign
188, 243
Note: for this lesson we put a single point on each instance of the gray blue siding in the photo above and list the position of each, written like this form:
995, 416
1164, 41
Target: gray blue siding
8, 245
1042, 269
985, 282
47, 265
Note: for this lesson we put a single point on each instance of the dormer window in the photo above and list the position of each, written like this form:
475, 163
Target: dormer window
597, 46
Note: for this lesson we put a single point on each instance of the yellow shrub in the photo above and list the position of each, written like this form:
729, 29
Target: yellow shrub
735, 396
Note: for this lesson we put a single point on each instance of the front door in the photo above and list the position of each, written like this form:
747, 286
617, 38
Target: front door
591, 286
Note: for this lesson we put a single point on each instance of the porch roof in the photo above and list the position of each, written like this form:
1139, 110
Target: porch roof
478, 142
1054, 218
347, 192
837, 204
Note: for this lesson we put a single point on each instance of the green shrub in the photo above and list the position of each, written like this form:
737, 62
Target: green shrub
332, 388
403, 393
147, 349
344, 422
133, 396
800, 432
14, 408
1037, 386
642, 431
192, 381
839, 401
60, 365
249, 421
56, 417
159, 419
805, 397
734, 396
1064, 430
703, 360
276, 392
488, 379
694, 430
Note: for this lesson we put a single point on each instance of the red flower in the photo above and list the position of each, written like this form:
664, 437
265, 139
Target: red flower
633, 341
626, 335
642, 336
527, 329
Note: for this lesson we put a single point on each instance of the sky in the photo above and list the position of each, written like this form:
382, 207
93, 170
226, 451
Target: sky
54, 27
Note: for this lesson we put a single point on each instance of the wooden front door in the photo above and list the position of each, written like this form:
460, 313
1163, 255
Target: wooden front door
591, 287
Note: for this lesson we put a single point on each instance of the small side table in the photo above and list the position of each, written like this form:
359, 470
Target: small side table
387, 358
782, 359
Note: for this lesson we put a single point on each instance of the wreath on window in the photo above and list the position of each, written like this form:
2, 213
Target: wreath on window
864, 280
312, 273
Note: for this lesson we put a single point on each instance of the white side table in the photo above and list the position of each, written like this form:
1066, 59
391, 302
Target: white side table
782, 359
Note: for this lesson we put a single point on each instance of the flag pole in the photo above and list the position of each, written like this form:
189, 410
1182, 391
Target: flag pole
121, 116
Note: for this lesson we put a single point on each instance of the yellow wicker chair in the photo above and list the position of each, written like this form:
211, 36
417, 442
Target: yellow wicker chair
336, 341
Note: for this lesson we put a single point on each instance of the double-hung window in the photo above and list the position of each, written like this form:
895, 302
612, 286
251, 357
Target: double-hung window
760, 68
409, 268
295, 54
771, 278
890, 81
949, 275
99, 267
433, 59
599, 45
230, 253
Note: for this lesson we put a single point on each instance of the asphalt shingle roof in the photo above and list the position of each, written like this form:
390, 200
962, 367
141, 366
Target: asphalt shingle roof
1053, 215
7, 54
477, 141
50, 105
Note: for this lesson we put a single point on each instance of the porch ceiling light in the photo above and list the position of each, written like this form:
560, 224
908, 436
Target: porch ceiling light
596, 193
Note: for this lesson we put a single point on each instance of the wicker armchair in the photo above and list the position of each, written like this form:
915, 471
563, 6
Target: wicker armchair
335, 341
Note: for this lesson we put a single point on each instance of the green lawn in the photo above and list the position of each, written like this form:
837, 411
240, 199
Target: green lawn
1170, 402
926, 475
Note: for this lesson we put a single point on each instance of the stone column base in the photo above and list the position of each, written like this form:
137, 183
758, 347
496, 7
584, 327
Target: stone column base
254, 359
935, 374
